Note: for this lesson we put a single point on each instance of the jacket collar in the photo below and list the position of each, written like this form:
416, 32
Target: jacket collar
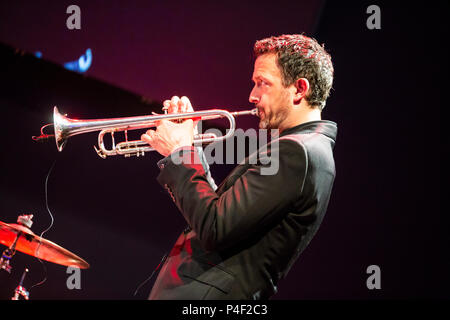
325, 127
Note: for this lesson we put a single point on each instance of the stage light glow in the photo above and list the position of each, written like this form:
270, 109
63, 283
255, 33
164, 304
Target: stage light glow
82, 64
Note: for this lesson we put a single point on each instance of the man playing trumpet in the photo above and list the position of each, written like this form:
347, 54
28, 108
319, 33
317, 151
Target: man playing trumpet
244, 236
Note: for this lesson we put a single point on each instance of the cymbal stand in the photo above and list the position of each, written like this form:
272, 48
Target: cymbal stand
26, 221
8, 254
20, 290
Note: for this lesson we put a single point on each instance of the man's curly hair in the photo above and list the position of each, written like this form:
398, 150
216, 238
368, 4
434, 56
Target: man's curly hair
301, 57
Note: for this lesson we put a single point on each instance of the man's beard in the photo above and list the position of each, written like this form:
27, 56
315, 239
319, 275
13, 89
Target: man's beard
273, 120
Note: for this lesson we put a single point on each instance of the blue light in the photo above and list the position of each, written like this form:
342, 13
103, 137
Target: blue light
82, 64
38, 54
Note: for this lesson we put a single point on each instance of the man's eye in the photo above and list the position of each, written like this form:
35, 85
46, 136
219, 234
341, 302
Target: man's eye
260, 83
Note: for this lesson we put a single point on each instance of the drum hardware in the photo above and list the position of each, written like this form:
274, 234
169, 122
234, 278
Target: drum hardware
24, 220
19, 237
21, 291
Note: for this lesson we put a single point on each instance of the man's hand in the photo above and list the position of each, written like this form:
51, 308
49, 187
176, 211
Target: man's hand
168, 135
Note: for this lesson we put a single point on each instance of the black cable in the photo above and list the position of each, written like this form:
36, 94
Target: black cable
148, 279
36, 252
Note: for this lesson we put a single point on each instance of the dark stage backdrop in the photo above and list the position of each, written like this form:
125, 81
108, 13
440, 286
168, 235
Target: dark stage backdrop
387, 100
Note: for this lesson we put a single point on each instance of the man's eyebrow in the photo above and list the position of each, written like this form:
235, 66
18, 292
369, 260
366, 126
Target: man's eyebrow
259, 77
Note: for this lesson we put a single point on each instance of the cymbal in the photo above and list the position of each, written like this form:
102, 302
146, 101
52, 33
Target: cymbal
33, 245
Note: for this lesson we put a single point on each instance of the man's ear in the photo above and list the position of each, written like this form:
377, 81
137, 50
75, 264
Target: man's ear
301, 90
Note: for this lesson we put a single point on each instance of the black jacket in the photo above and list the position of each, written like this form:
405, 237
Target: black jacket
244, 236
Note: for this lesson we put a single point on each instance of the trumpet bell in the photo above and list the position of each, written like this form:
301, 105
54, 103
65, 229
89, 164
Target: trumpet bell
60, 124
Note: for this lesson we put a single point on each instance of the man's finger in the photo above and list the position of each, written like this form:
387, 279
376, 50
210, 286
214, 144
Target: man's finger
166, 105
181, 105
145, 137
187, 107
174, 104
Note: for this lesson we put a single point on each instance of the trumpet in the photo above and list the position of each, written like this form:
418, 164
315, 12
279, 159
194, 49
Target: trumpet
65, 128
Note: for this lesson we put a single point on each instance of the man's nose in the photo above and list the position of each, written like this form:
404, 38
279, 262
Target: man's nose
253, 98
